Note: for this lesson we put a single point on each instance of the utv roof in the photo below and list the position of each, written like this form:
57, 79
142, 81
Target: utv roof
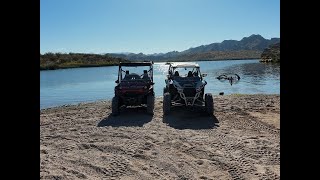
184, 65
149, 63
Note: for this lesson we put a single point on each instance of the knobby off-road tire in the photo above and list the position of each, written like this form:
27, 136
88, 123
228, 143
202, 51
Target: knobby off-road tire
209, 103
115, 106
150, 104
166, 103
165, 90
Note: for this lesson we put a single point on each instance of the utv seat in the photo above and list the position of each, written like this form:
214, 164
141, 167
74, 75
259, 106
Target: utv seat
145, 75
132, 76
176, 73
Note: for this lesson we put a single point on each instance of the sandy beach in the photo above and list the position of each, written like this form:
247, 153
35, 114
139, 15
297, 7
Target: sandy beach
240, 141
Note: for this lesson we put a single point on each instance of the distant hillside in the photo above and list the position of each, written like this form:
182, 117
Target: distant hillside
253, 42
217, 55
247, 48
271, 54
73, 60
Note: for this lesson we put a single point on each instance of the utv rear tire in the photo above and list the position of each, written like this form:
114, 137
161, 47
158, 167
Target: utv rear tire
166, 103
150, 104
209, 103
115, 106
165, 89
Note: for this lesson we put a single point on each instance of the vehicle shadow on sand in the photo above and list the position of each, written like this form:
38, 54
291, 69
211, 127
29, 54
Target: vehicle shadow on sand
136, 116
180, 118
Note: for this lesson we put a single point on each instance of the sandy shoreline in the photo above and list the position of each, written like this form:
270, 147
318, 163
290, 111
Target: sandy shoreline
241, 140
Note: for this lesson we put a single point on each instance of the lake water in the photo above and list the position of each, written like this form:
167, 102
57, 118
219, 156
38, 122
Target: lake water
71, 86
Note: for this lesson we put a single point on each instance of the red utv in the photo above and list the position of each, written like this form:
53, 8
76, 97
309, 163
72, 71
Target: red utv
134, 89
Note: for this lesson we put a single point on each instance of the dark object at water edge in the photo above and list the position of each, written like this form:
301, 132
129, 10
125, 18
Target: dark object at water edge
231, 78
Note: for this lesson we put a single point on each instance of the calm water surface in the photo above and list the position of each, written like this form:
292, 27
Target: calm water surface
71, 86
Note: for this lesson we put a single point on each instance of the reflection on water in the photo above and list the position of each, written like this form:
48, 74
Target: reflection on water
68, 86
256, 77
256, 73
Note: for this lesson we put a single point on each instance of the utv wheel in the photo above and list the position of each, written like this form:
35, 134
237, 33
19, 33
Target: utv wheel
150, 104
115, 106
209, 103
166, 103
165, 90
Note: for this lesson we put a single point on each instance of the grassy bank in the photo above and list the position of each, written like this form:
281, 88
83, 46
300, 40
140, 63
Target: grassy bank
51, 61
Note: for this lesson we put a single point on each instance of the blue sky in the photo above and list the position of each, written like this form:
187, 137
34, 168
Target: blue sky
151, 26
